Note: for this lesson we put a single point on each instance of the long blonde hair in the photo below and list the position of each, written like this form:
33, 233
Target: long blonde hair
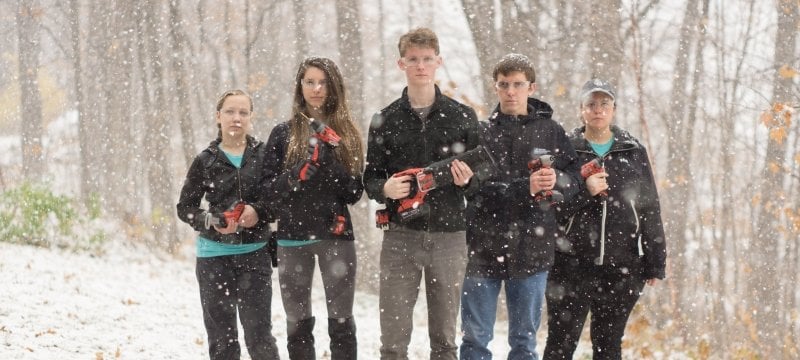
350, 151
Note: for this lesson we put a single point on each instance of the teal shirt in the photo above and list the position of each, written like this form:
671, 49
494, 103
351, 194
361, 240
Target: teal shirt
602, 149
210, 248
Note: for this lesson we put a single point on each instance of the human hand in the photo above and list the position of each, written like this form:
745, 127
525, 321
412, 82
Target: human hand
324, 152
249, 217
397, 187
597, 183
542, 179
461, 172
229, 228
303, 171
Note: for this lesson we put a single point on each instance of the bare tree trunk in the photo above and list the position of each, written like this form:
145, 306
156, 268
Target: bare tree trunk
421, 13
179, 68
95, 121
765, 285
349, 25
157, 131
676, 194
88, 183
698, 75
118, 142
300, 36
605, 46
560, 89
29, 14
256, 68
480, 18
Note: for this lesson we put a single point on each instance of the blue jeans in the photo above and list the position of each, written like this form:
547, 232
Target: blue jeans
524, 298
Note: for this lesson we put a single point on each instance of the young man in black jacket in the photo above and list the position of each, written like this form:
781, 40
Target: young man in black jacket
421, 127
512, 229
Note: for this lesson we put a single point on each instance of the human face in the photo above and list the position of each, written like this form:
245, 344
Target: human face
513, 91
315, 88
420, 64
598, 111
234, 117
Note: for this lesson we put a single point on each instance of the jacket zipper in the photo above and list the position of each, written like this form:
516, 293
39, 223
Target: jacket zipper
639, 237
425, 148
241, 198
605, 209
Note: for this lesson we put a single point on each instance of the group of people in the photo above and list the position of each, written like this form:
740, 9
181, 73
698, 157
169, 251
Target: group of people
535, 224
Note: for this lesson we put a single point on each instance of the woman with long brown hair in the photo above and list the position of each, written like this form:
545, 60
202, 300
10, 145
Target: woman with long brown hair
314, 171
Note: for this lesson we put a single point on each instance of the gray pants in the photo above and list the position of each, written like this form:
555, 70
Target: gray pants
337, 265
406, 256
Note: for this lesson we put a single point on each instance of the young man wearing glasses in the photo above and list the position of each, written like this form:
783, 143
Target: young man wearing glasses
512, 228
421, 127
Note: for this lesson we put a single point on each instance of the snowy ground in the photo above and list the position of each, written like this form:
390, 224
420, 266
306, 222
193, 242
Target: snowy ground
133, 304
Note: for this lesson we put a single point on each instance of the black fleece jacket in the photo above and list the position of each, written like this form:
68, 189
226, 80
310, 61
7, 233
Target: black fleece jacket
212, 175
308, 212
510, 235
633, 240
400, 140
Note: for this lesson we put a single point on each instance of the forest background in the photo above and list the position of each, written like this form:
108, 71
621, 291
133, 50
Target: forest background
710, 87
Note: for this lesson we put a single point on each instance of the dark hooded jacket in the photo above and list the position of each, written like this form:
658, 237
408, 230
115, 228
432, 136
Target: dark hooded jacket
510, 234
622, 232
212, 175
400, 140
309, 211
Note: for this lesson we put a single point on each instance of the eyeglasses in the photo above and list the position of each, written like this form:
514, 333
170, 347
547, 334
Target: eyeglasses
234, 112
517, 85
312, 84
604, 105
414, 61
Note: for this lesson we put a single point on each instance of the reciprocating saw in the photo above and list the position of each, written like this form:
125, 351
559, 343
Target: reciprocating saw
431, 177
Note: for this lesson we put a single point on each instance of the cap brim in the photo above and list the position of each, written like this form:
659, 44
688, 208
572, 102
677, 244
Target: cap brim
604, 91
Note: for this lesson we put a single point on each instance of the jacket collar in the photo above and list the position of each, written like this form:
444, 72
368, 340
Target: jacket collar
623, 140
407, 104
252, 143
537, 109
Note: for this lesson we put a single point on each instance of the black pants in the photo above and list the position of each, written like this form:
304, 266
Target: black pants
243, 283
573, 292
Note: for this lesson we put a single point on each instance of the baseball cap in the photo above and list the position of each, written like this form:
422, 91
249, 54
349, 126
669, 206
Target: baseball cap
598, 85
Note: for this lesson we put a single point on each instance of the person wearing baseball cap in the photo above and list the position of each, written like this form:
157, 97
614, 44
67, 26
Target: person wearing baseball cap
614, 238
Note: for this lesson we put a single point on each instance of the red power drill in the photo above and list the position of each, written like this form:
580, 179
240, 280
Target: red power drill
414, 204
591, 168
544, 161
323, 134
222, 220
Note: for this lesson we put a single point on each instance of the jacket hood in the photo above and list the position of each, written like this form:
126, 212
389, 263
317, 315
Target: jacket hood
537, 109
